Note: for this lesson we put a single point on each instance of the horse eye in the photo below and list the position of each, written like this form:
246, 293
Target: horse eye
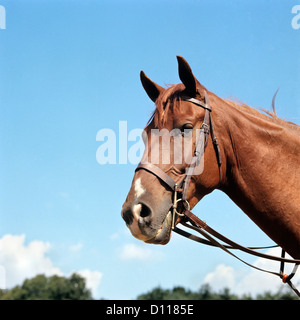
186, 129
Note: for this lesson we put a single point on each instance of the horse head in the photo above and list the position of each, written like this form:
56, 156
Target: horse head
171, 137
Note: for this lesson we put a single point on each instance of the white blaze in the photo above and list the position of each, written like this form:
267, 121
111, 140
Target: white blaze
138, 188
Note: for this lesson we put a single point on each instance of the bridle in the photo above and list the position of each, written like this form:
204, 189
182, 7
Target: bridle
183, 186
191, 221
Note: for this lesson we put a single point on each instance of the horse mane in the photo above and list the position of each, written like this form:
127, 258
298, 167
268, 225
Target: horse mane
170, 98
267, 114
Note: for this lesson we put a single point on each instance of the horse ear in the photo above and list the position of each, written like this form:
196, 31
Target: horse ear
186, 76
153, 90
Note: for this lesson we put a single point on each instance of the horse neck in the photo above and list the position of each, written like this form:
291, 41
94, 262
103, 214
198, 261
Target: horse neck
262, 174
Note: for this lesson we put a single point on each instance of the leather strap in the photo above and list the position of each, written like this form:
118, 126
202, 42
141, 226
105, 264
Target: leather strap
201, 144
157, 172
200, 224
197, 102
206, 242
209, 233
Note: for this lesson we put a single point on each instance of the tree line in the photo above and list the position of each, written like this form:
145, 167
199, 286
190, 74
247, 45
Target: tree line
74, 288
206, 293
49, 288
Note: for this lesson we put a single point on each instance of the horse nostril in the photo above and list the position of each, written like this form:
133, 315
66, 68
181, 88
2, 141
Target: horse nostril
127, 216
138, 210
145, 211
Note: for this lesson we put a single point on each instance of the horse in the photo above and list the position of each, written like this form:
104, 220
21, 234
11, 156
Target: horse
250, 156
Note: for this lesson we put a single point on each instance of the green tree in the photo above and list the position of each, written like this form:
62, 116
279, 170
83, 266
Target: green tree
156, 294
178, 293
49, 288
206, 293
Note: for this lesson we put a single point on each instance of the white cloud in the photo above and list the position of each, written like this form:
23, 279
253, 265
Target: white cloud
93, 279
76, 247
223, 276
20, 261
252, 281
137, 252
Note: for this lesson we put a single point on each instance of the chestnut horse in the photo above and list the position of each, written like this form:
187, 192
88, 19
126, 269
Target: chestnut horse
259, 172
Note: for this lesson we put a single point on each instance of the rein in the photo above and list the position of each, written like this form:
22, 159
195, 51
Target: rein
191, 221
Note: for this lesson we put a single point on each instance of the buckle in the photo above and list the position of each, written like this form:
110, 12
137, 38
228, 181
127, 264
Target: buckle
174, 207
205, 128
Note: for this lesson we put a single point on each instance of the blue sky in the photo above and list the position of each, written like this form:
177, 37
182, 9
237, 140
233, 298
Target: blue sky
71, 68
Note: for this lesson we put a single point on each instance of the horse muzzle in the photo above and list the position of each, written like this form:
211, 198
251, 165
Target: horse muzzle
140, 220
